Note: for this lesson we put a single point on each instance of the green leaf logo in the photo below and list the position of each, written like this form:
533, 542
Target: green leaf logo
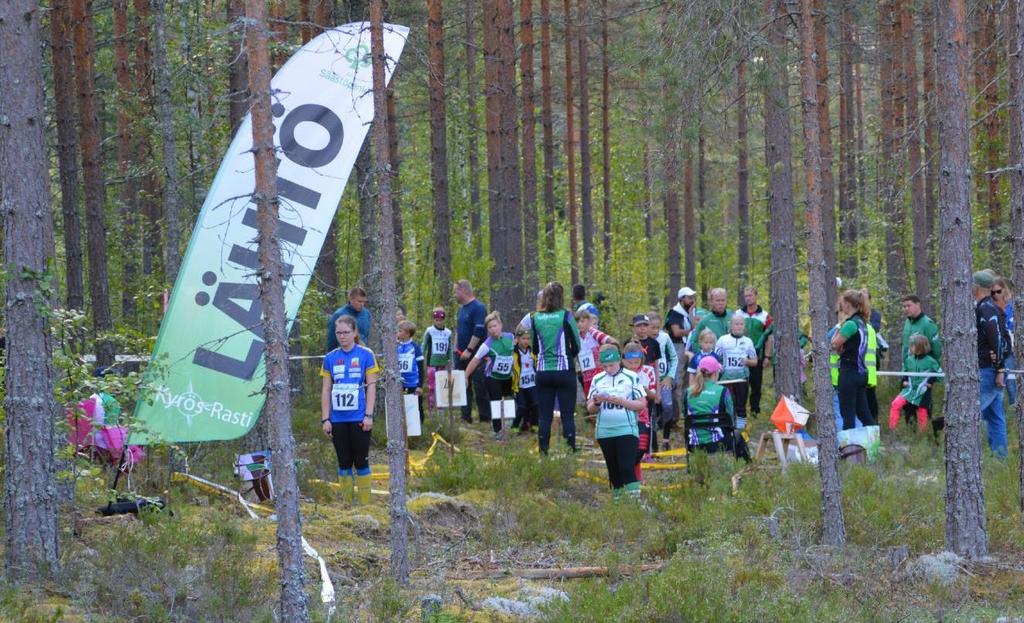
358, 56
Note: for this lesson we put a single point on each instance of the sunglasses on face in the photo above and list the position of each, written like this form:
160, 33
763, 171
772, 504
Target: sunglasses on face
997, 291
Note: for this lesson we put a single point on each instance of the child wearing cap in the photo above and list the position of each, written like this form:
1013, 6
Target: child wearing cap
633, 360
437, 346
616, 397
709, 410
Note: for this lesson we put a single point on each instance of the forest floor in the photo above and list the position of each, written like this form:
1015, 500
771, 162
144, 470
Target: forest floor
694, 550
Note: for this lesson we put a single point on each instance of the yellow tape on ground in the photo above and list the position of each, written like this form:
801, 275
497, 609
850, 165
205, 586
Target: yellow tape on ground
663, 466
668, 453
212, 487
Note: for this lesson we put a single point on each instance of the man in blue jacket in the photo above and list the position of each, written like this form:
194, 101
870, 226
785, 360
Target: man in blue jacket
356, 307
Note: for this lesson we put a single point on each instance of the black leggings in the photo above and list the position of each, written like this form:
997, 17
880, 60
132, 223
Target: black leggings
526, 408
498, 390
620, 457
853, 398
352, 445
560, 384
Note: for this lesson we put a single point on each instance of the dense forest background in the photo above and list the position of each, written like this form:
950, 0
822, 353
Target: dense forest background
656, 178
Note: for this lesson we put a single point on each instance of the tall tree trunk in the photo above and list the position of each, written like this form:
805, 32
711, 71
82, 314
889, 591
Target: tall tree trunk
31, 549
392, 381
606, 145
128, 189
327, 264
828, 211
670, 177
279, 28
170, 154
549, 138
701, 213
152, 241
781, 229
1015, 37
586, 183
742, 178
275, 333
847, 146
503, 184
834, 525
371, 276
395, 160
238, 93
472, 84
861, 161
67, 150
439, 152
92, 174
931, 142
922, 261
891, 123
689, 221
305, 19
986, 87
531, 251
965, 490
570, 149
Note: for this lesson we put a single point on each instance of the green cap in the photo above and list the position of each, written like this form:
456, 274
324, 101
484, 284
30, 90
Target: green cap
983, 279
610, 356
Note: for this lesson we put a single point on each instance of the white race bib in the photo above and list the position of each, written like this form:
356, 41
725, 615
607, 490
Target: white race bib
345, 397
527, 380
405, 362
734, 361
662, 367
502, 365
587, 360
439, 347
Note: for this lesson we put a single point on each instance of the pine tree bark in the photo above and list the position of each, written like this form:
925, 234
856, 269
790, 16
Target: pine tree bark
586, 182
931, 141
472, 84
891, 123
606, 146
689, 221
986, 65
701, 215
742, 178
395, 160
279, 28
781, 216
439, 151
828, 211
125, 155
32, 546
67, 150
392, 381
847, 146
922, 261
238, 92
503, 182
670, 175
293, 606
550, 211
92, 174
169, 147
531, 251
1015, 37
570, 148
965, 531
327, 264
834, 525
152, 241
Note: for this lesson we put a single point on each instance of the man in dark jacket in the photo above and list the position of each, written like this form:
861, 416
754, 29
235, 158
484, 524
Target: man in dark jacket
992, 337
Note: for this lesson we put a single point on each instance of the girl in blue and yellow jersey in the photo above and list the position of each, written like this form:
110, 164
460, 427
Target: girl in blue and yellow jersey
346, 407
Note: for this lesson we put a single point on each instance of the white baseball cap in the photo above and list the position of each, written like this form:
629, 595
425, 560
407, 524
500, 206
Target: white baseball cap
685, 292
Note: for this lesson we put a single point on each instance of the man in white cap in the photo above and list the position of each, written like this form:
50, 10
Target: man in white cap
679, 321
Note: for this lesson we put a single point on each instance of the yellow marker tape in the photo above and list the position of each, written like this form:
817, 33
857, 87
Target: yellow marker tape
663, 465
668, 453
212, 487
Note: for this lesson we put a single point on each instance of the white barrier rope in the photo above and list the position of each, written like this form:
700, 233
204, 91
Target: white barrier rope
936, 374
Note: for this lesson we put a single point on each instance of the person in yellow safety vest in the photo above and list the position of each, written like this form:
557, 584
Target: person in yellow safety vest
870, 362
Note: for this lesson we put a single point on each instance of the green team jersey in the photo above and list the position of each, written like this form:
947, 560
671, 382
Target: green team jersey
926, 327
498, 353
556, 340
758, 326
719, 325
437, 346
714, 402
917, 385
